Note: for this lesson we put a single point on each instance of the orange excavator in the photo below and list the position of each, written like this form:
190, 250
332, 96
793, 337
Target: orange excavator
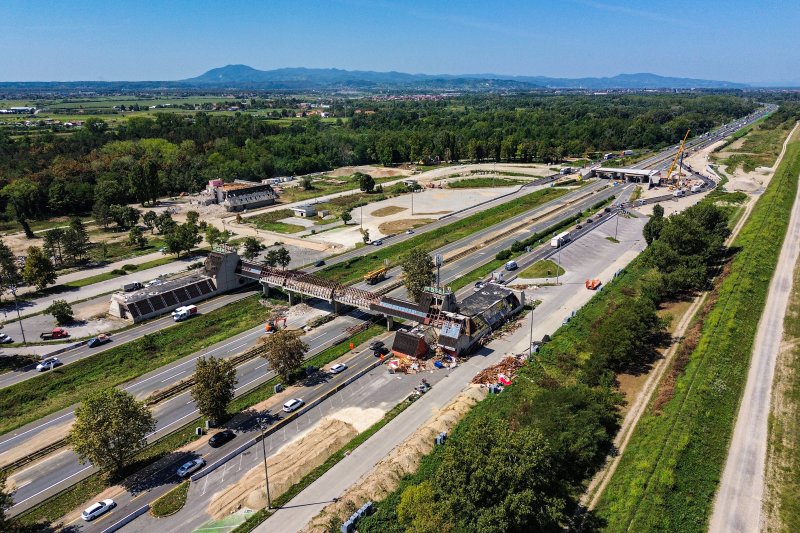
272, 325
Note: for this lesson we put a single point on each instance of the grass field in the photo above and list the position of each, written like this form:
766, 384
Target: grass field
355, 268
669, 473
47, 393
761, 146
269, 221
542, 269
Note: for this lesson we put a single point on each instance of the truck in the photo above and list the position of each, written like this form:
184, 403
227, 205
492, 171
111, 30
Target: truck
560, 239
678, 193
56, 333
132, 286
376, 276
182, 313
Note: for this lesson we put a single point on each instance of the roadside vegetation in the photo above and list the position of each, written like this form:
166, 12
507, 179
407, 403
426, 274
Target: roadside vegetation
542, 269
171, 502
271, 221
760, 144
475, 183
667, 478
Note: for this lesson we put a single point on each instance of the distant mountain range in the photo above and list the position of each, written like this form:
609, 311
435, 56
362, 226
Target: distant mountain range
243, 77
326, 78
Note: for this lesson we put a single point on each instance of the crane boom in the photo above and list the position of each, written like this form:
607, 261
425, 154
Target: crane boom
678, 154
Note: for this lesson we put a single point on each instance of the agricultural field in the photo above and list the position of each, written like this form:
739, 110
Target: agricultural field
669, 473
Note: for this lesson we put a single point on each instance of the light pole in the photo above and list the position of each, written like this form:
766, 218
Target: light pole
412, 201
558, 261
361, 217
616, 226
530, 340
19, 318
261, 423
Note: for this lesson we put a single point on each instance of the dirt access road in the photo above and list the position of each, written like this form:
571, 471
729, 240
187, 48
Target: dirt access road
739, 500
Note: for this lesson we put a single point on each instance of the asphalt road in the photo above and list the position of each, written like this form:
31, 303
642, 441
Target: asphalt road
738, 502
64, 469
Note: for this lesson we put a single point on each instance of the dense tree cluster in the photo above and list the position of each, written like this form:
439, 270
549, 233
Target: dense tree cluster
98, 167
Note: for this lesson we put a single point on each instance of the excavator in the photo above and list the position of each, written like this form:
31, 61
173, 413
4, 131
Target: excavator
272, 325
678, 154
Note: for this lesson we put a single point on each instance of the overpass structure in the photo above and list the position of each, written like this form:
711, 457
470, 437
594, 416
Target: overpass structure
636, 175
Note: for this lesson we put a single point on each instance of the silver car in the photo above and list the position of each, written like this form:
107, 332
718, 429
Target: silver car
338, 367
293, 405
191, 467
49, 364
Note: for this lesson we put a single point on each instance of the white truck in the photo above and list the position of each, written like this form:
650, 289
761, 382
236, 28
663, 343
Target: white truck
696, 188
678, 193
559, 239
182, 313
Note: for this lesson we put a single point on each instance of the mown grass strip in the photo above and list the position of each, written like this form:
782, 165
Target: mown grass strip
356, 267
475, 183
171, 502
260, 516
47, 393
668, 476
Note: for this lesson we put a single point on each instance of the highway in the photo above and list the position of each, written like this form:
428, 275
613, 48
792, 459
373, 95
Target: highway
61, 469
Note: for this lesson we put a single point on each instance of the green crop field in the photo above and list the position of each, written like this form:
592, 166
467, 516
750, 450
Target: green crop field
669, 473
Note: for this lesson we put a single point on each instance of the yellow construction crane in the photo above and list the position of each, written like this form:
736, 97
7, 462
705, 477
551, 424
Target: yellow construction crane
677, 155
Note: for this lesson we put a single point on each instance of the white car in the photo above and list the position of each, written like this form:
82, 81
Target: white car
48, 364
5, 339
338, 367
191, 467
97, 509
293, 405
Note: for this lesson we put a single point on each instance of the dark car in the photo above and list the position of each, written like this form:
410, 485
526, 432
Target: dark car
218, 439
319, 263
97, 341
383, 350
376, 345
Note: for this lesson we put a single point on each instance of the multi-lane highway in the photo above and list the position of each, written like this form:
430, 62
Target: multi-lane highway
61, 469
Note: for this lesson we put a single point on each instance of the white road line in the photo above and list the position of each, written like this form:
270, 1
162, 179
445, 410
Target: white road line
51, 486
34, 429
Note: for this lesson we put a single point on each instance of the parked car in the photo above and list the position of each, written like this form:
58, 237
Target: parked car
5, 339
48, 364
218, 439
293, 405
191, 467
511, 265
319, 263
99, 340
578, 226
478, 285
376, 345
97, 509
383, 350
338, 368
377, 243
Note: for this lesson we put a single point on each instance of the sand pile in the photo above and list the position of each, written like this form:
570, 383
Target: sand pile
296, 459
403, 459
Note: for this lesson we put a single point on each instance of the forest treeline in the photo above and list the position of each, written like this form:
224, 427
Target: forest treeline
146, 157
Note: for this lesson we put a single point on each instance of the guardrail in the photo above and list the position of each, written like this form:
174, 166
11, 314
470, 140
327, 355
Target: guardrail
31, 457
281, 423
127, 520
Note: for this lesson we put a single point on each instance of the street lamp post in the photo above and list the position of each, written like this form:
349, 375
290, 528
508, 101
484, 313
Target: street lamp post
530, 340
19, 317
261, 424
616, 226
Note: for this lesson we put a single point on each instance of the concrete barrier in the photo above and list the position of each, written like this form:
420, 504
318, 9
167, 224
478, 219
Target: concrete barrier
216, 464
127, 520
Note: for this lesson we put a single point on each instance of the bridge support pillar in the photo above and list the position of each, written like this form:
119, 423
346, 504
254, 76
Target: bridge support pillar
293, 298
337, 307
389, 323
265, 290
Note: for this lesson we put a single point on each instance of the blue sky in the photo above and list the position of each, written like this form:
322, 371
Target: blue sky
735, 40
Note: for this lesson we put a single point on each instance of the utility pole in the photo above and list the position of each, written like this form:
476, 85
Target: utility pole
19, 317
530, 340
558, 261
261, 423
616, 226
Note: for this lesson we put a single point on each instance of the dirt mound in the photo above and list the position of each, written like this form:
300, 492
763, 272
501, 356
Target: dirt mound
286, 468
397, 226
404, 459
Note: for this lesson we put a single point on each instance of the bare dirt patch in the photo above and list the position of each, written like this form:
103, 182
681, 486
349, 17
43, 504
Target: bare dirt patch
388, 210
398, 226
403, 460
375, 172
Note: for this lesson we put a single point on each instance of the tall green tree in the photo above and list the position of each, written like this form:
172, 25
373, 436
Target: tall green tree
285, 352
365, 182
214, 383
149, 219
9, 273
417, 268
251, 247
346, 217
76, 241
109, 429
6, 502
193, 217
53, 245
23, 196
164, 223
61, 311
136, 238
653, 227
39, 270
181, 238
101, 213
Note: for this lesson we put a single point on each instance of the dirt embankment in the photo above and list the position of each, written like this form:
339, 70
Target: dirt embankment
296, 459
404, 459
